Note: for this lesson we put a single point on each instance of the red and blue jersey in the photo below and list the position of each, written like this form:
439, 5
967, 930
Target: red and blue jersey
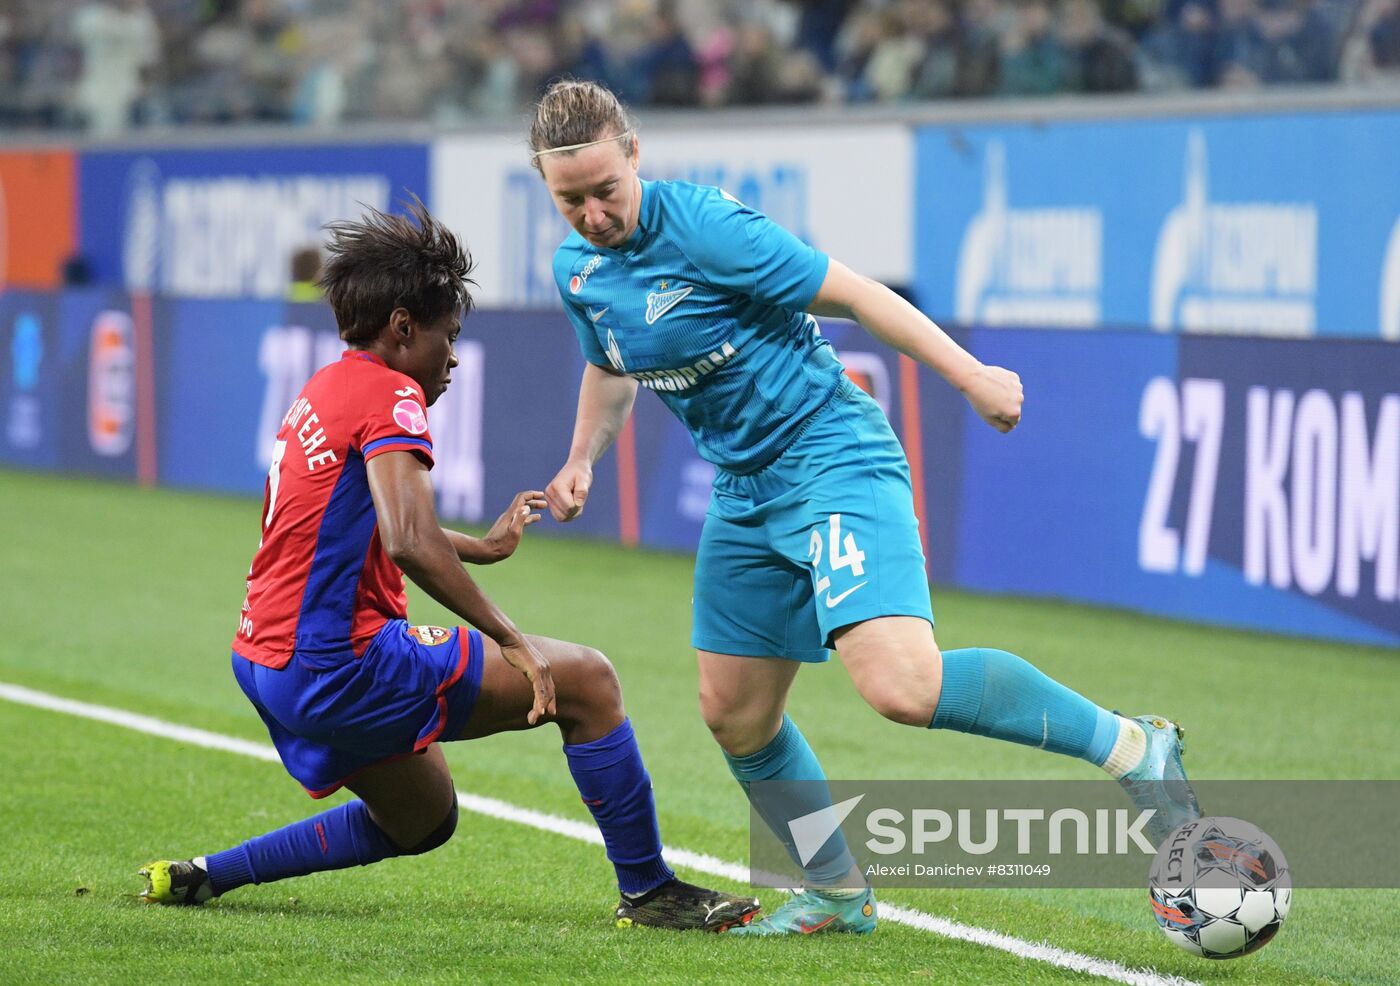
321, 582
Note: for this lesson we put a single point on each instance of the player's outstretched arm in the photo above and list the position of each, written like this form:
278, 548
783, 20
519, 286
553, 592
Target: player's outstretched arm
604, 401
413, 538
504, 537
994, 393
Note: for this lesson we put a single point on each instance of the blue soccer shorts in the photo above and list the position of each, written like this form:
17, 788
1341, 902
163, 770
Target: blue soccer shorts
331, 716
823, 537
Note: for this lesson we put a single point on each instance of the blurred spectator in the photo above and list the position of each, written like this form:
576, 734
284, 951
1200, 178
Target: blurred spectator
1239, 50
1299, 45
672, 77
1372, 48
1100, 58
889, 71
120, 43
979, 67
306, 267
936, 75
818, 26
1033, 61
1181, 50
110, 64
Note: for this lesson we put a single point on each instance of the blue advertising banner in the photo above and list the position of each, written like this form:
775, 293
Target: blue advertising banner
224, 222
1247, 482
1273, 224
230, 370
31, 393
1240, 481
69, 390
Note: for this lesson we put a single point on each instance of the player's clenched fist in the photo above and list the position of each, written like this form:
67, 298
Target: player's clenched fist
568, 490
996, 395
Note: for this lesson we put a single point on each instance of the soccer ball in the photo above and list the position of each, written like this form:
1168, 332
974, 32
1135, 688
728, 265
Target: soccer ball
1220, 887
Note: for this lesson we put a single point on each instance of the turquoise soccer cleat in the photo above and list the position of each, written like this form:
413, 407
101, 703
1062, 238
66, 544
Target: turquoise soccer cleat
808, 913
1159, 781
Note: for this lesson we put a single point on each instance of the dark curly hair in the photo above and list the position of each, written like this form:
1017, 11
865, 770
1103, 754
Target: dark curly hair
381, 261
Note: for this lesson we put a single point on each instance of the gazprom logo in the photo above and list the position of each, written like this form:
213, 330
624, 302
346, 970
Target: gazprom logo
222, 236
1040, 266
1236, 267
141, 242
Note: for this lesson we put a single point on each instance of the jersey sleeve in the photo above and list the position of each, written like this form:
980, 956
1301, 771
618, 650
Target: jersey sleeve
583, 327
587, 338
741, 250
395, 419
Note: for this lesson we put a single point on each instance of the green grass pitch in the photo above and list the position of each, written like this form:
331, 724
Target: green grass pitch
128, 598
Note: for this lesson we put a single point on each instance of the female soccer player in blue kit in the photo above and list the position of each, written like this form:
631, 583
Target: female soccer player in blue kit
810, 541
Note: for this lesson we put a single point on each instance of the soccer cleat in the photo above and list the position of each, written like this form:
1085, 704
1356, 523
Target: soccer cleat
1159, 781
684, 907
808, 913
170, 881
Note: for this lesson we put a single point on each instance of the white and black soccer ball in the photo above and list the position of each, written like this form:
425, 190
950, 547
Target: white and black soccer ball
1220, 887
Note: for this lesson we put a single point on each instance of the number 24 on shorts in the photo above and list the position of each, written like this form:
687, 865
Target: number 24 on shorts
851, 557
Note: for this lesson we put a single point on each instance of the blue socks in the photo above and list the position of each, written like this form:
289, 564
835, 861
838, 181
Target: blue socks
610, 777
993, 693
615, 786
788, 758
343, 836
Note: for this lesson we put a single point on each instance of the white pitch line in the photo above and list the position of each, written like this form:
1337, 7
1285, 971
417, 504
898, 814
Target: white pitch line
700, 862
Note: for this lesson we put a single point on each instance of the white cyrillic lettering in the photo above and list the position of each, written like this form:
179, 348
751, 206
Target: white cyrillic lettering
1265, 506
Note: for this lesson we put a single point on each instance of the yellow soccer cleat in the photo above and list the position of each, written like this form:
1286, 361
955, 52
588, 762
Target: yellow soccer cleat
181, 882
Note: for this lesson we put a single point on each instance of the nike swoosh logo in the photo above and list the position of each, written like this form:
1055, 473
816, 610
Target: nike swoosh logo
598, 314
833, 601
808, 929
660, 304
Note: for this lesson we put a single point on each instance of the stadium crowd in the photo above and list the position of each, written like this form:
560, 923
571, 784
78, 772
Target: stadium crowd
110, 64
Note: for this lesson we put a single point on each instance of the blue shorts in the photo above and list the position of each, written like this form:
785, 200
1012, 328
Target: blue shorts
331, 716
823, 537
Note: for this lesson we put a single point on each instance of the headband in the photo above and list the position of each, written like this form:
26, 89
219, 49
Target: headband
579, 147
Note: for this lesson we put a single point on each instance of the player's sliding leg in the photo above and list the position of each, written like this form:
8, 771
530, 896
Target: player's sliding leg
405, 807
742, 700
408, 805
612, 780
897, 667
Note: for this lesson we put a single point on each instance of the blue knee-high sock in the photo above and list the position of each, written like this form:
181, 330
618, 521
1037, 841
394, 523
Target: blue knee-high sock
343, 836
993, 693
788, 758
615, 786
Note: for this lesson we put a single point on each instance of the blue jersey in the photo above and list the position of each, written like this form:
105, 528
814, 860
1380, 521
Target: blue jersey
705, 305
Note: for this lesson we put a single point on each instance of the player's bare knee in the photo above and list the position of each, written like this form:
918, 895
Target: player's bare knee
739, 730
587, 689
910, 706
605, 691
716, 709
439, 835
